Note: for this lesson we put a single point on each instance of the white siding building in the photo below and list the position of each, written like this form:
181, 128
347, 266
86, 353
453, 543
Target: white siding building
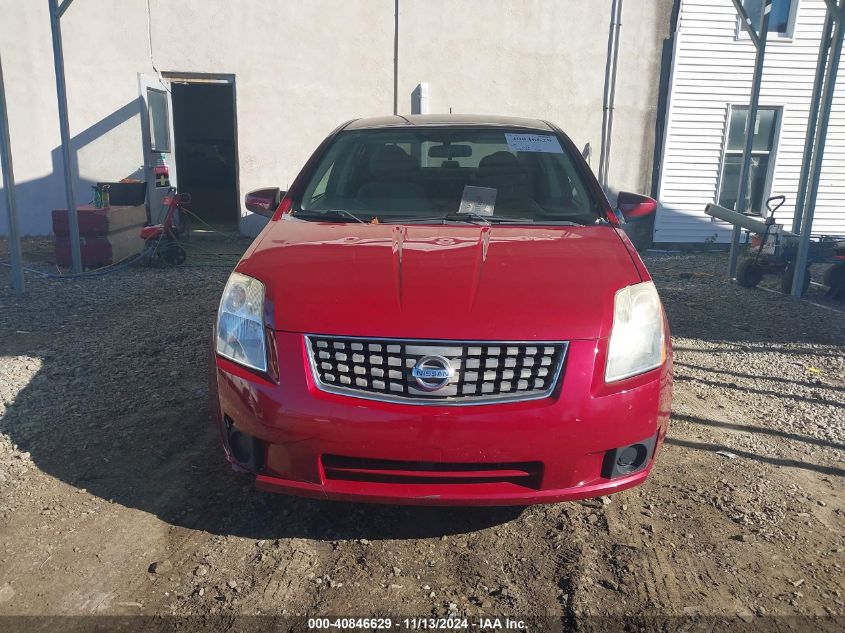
710, 88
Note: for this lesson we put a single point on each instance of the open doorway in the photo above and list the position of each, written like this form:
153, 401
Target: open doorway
206, 148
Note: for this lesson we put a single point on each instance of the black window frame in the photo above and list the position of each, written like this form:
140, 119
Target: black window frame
771, 153
787, 33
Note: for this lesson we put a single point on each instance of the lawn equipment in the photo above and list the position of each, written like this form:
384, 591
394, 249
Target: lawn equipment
163, 241
773, 251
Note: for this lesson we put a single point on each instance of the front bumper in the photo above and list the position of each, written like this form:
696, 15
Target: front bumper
560, 442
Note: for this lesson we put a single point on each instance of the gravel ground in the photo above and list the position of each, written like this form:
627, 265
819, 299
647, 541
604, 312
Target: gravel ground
116, 500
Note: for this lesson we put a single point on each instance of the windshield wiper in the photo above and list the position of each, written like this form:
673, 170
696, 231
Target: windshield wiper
501, 219
474, 218
466, 218
416, 219
487, 219
330, 214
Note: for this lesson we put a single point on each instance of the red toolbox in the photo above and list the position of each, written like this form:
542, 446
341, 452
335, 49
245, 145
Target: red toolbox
107, 235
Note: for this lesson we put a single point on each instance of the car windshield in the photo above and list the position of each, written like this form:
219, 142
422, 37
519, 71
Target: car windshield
448, 174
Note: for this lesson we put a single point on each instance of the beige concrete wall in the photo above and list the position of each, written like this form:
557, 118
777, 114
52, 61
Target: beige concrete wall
645, 29
532, 58
303, 67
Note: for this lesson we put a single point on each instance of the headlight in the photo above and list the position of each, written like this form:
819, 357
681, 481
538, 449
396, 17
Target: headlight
240, 322
636, 342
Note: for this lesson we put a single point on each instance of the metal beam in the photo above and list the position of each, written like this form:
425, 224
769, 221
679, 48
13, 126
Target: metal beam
63, 7
838, 13
750, 122
9, 188
746, 23
818, 155
64, 129
809, 141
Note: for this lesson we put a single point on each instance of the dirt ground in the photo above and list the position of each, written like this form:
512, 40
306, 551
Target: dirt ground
115, 498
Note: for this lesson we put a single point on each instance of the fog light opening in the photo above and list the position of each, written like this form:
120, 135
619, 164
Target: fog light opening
627, 460
240, 445
632, 457
246, 450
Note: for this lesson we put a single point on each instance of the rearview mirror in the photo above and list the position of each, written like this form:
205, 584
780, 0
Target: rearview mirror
450, 151
264, 201
633, 206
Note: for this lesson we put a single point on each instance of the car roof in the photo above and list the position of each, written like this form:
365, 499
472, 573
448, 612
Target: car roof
446, 120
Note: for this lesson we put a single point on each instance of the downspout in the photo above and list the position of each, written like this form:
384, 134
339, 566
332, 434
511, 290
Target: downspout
609, 90
396, 57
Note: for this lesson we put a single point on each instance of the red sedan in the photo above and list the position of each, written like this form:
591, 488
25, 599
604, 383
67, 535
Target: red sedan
443, 310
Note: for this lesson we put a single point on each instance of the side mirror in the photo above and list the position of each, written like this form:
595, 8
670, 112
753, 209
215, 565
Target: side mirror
633, 206
264, 201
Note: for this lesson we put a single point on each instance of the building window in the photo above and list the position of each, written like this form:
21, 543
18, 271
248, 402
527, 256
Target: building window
159, 120
782, 19
762, 158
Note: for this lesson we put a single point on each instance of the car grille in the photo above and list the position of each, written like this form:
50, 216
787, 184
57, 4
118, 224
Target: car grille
483, 372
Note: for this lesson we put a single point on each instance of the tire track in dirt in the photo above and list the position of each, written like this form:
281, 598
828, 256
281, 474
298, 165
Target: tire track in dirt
283, 581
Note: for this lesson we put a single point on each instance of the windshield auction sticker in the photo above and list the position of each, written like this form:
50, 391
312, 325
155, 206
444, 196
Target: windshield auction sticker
478, 200
534, 143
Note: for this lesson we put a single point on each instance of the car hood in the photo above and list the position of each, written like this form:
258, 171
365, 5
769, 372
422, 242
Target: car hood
463, 282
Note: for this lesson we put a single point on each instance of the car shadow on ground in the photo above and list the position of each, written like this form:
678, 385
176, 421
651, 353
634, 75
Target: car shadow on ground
133, 426
171, 465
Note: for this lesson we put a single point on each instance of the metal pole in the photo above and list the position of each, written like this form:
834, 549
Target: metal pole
396, 57
609, 90
9, 187
750, 122
64, 129
812, 122
64, 7
818, 155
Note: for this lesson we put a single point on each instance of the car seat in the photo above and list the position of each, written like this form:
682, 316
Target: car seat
393, 182
503, 172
